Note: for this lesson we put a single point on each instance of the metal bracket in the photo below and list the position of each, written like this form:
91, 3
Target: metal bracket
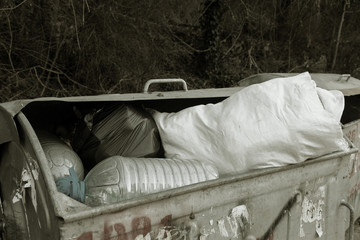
352, 218
290, 203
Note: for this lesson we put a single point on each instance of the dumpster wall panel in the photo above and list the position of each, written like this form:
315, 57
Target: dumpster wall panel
231, 208
352, 131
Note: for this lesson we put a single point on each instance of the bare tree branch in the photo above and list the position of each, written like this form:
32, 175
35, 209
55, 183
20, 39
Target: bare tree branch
76, 28
346, 4
13, 8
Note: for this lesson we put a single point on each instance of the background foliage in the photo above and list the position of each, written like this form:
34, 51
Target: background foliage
68, 47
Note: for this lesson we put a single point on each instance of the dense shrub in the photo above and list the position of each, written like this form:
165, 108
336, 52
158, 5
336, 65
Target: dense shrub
62, 48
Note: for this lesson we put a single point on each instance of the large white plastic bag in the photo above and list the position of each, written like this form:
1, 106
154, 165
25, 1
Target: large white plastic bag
278, 122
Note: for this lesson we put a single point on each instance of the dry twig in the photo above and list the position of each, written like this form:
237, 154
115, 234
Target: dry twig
13, 8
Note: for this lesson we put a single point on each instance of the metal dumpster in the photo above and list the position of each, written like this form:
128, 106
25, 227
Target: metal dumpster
316, 199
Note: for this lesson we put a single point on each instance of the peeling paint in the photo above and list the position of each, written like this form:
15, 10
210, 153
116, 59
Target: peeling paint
240, 213
27, 181
141, 237
205, 231
311, 211
322, 191
17, 196
319, 230
170, 233
222, 228
231, 225
163, 234
302, 233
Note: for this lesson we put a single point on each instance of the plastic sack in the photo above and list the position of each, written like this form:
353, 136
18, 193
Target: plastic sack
118, 178
275, 123
116, 129
60, 156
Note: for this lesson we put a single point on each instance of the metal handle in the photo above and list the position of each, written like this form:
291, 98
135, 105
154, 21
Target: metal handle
351, 226
167, 80
344, 77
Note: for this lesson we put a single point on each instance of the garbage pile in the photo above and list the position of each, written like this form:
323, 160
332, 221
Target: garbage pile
132, 151
121, 145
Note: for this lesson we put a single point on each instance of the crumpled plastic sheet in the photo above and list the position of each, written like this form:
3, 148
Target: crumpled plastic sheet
116, 129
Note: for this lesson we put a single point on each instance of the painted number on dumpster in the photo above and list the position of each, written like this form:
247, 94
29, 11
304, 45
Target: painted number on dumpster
140, 226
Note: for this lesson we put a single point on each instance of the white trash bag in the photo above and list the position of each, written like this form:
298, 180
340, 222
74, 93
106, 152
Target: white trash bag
271, 124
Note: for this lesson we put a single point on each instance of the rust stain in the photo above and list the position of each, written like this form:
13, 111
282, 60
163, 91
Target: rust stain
140, 225
166, 221
107, 231
86, 236
121, 232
